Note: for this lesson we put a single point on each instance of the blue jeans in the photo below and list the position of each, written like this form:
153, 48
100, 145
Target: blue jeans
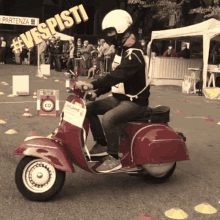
115, 112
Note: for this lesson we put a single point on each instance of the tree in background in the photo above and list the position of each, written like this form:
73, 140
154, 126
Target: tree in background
208, 9
152, 15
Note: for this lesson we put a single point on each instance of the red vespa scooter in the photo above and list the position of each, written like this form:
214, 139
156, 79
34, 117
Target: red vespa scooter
147, 145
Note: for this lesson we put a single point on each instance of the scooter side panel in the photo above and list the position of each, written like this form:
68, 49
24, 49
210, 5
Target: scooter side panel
158, 144
48, 150
73, 138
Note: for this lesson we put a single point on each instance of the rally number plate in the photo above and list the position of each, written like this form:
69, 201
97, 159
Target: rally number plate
74, 114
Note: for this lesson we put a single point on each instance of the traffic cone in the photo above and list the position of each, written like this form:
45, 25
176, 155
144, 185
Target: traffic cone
35, 96
27, 114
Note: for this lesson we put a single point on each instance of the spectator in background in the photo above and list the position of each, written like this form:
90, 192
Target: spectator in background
185, 53
3, 49
170, 52
58, 48
51, 49
72, 53
95, 65
78, 55
65, 54
99, 45
103, 49
24, 55
86, 57
108, 57
33, 53
78, 47
42, 51
17, 55
46, 53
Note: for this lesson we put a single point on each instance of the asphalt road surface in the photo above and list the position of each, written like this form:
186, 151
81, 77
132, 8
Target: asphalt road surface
87, 196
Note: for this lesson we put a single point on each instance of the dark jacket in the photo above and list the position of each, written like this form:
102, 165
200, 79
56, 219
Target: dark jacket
3, 45
185, 53
58, 47
131, 72
51, 48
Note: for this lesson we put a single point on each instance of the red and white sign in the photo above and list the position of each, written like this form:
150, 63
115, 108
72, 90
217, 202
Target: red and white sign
48, 103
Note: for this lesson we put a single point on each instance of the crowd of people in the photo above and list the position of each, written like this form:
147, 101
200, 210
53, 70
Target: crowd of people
87, 58
72, 55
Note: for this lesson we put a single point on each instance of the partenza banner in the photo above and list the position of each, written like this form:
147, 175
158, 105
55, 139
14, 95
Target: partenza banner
19, 20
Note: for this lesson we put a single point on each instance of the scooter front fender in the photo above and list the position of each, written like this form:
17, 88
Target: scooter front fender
158, 143
48, 150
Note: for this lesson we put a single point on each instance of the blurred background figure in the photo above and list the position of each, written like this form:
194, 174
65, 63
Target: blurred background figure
78, 55
17, 55
170, 52
86, 57
65, 54
185, 53
108, 58
104, 47
51, 49
33, 55
42, 51
58, 48
24, 55
3, 50
72, 53
95, 65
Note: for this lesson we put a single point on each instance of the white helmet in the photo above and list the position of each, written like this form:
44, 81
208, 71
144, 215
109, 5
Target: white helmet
118, 19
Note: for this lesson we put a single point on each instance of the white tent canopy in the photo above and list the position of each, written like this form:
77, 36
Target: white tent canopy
206, 30
63, 37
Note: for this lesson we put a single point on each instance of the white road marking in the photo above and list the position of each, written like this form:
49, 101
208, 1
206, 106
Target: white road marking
23, 102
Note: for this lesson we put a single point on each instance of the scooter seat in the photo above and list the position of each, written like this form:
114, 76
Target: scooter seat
160, 114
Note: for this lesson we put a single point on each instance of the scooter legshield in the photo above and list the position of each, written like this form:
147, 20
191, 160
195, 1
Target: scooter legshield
158, 143
48, 150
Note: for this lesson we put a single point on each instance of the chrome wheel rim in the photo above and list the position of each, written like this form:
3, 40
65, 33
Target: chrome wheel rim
39, 176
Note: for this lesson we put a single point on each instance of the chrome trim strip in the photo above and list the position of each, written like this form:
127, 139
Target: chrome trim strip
37, 145
169, 140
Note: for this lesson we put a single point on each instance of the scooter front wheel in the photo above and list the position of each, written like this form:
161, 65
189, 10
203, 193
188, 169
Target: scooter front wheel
38, 180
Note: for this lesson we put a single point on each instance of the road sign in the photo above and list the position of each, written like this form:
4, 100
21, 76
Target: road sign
48, 103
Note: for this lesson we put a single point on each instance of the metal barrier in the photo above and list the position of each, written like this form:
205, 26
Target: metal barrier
107, 65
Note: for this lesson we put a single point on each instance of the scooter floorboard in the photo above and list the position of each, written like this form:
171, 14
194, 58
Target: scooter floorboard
125, 170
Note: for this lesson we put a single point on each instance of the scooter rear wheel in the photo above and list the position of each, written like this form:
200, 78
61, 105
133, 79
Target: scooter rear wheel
161, 178
38, 180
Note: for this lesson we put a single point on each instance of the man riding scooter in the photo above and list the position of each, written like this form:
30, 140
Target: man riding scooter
130, 91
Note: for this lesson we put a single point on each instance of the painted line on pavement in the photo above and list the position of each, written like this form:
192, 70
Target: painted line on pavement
24, 102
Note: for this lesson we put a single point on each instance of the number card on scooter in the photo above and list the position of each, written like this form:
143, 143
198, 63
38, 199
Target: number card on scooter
74, 114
